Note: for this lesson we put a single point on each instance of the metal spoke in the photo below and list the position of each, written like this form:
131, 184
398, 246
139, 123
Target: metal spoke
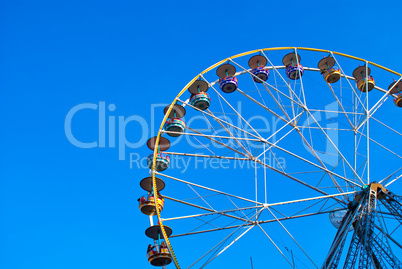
292, 237
275, 245
260, 222
199, 207
206, 188
333, 144
237, 238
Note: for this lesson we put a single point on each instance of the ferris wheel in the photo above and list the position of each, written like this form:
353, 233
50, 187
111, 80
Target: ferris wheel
287, 157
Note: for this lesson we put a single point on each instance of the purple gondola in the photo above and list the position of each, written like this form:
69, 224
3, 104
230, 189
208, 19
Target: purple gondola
228, 82
293, 68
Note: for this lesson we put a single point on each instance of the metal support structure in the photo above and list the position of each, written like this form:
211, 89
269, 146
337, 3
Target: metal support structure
365, 228
353, 252
335, 252
394, 204
381, 250
366, 248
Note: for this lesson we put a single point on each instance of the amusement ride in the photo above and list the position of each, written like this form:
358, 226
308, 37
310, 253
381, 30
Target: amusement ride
300, 165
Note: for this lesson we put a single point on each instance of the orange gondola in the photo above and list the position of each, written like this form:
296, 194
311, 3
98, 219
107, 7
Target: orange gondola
147, 206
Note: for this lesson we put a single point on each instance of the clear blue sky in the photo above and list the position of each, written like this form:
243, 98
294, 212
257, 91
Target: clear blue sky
67, 207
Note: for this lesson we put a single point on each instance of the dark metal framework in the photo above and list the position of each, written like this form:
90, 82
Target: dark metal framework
366, 248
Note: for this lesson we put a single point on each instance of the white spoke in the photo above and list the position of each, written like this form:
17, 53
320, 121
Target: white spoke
210, 189
292, 238
393, 130
312, 199
387, 149
333, 144
237, 238
398, 177
260, 222
275, 244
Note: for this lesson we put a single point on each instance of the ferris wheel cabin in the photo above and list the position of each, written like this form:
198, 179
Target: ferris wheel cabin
261, 74
364, 81
159, 254
147, 206
162, 160
199, 97
395, 88
257, 64
228, 82
200, 100
175, 125
294, 70
161, 258
367, 81
330, 72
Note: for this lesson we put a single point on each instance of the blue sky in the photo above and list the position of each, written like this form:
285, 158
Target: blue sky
62, 206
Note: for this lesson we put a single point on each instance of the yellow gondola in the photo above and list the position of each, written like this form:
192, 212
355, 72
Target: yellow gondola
364, 81
369, 82
147, 206
161, 258
332, 75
